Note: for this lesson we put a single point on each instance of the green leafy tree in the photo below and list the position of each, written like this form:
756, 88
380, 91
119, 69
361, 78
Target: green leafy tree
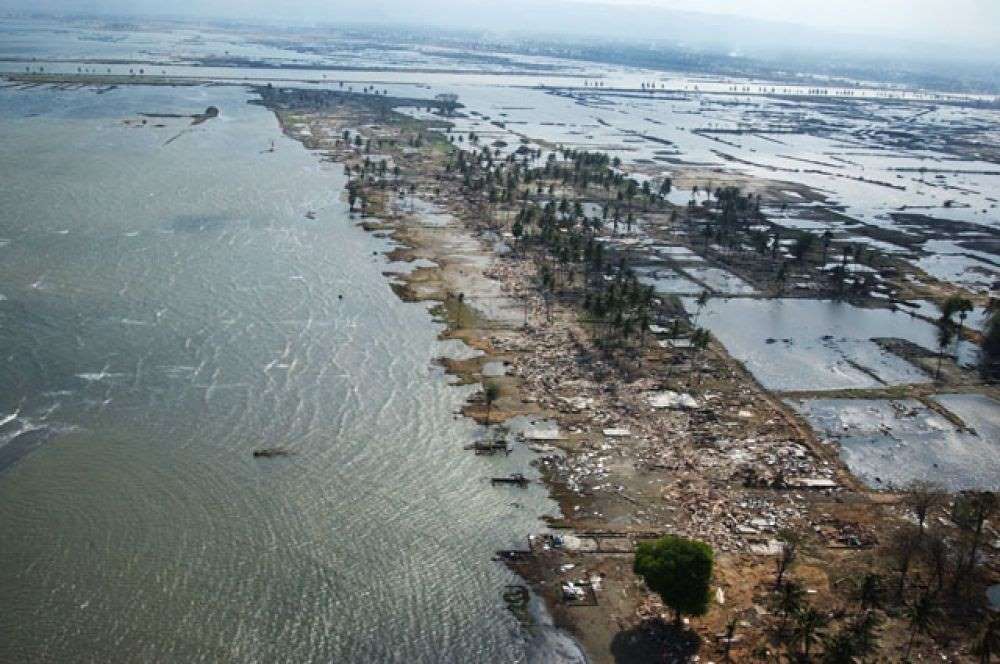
679, 570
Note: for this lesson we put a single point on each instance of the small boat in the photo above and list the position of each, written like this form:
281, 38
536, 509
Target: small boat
270, 452
517, 478
310, 215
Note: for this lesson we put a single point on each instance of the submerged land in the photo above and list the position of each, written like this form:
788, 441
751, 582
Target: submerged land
710, 345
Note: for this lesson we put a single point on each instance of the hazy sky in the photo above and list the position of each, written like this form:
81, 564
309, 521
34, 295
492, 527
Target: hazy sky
973, 23
931, 18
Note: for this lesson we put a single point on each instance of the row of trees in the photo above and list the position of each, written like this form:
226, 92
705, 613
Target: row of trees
679, 570
577, 264
946, 565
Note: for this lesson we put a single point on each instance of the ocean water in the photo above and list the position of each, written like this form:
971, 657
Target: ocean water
167, 308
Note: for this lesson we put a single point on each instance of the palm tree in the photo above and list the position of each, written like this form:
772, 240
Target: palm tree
870, 591
491, 392
700, 338
730, 633
902, 547
703, 298
781, 277
827, 236
986, 642
803, 246
839, 648
644, 326
922, 497
920, 615
807, 622
970, 511
788, 601
956, 304
945, 332
863, 632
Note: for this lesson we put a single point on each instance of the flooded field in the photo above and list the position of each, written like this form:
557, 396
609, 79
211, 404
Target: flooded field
844, 163
847, 152
184, 290
796, 344
892, 442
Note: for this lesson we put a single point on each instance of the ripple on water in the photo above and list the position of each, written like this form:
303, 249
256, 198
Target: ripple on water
150, 528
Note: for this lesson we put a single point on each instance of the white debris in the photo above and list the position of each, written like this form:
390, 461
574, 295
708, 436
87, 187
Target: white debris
572, 591
543, 434
812, 482
772, 547
671, 399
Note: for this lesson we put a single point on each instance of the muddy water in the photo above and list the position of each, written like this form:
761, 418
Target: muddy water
168, 307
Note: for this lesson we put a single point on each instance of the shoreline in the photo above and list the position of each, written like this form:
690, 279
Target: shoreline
613, 490
739, 469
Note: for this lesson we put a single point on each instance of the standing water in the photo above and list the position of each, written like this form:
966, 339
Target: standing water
168, 307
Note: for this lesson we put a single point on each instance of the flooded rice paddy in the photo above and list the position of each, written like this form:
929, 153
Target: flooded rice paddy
167, 307
798, 344
892, 442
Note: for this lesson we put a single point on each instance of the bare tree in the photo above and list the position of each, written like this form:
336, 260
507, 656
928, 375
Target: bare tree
789, 552
937, 553
922, 497
902, 548
970, 512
